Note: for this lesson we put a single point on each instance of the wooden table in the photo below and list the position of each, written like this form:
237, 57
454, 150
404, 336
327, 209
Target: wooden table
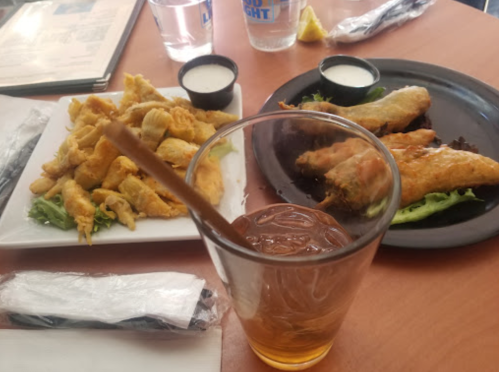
417, 310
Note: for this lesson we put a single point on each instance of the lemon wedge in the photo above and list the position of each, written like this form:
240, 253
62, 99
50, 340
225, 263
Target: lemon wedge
310, 28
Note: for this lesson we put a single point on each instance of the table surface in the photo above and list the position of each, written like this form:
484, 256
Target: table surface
417, 310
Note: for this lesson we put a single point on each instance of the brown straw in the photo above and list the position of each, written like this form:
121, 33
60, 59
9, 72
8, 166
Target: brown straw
149, 162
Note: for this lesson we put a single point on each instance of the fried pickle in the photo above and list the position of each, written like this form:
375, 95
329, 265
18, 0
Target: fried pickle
154, 126
177, 152
208, 179
119, 169
77, 203
144, 199
91, 173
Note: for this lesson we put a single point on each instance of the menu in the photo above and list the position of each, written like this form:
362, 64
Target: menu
64, 45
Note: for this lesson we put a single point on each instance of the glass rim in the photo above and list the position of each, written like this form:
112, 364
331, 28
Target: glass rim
363, 241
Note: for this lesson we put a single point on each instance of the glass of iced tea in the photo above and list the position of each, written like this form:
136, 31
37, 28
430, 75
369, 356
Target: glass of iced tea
313, 195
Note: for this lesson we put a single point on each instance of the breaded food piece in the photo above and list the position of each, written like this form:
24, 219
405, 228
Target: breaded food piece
77, 203
420, 137
42, 185
182, 125
99, 195
208, 179
391, 113
57, 188
134, 115
144, 199
91, 111
160, 189
92, 172
202, 131
154, 126
177, 152
217, 118
357, 181
119, 169
138, 90
424, 170
89, 135
68, 157
122, 209
318, 162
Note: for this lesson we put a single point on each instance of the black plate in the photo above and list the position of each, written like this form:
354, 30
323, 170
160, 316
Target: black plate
461, 106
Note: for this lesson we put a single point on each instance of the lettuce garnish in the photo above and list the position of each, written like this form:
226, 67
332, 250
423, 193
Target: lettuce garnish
432, 203
373, 95
222, 149
51, 212
101, 220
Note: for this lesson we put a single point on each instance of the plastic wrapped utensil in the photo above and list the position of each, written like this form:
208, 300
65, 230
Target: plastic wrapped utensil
390, 14
165, 300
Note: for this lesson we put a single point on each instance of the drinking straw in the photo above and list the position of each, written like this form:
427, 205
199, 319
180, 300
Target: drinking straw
131, 146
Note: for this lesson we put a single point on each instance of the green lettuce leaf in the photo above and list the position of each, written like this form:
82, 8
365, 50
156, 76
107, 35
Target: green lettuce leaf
101, 220
51, 212
373, 95
317, 97
221, 150
432, 203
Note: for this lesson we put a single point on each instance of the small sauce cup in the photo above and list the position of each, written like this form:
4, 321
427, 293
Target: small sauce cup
347, 79
209, 81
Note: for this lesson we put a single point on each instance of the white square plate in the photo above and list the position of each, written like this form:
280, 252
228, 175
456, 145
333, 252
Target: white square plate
17, 230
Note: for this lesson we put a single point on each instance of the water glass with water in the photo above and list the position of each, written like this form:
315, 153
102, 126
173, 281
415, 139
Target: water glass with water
271, 24
186, 27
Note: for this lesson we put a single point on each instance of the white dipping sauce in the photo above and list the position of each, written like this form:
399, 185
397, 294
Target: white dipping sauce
207, 78
349, 75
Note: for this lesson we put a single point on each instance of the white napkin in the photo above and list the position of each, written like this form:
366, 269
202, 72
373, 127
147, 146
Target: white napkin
167, 296
21, 123
109, 351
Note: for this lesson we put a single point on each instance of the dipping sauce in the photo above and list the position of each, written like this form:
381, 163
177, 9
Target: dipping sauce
289, 229
207, 78
349, 75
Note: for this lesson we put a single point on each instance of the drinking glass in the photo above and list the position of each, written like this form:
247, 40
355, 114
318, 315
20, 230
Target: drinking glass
291, 306
186, 27
272, 25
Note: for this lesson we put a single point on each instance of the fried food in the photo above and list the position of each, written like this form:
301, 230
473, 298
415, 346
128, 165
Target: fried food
420, 137
217, 118
357, 181
392, 113
91, 111
424, 170
208, 180
202, 131
136, 112
77, 203
177, 152
144, 199
154, 126
88, 169
119, 169
68, 157
182, 125
91, 173
57, 188
42, 185
317, 163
